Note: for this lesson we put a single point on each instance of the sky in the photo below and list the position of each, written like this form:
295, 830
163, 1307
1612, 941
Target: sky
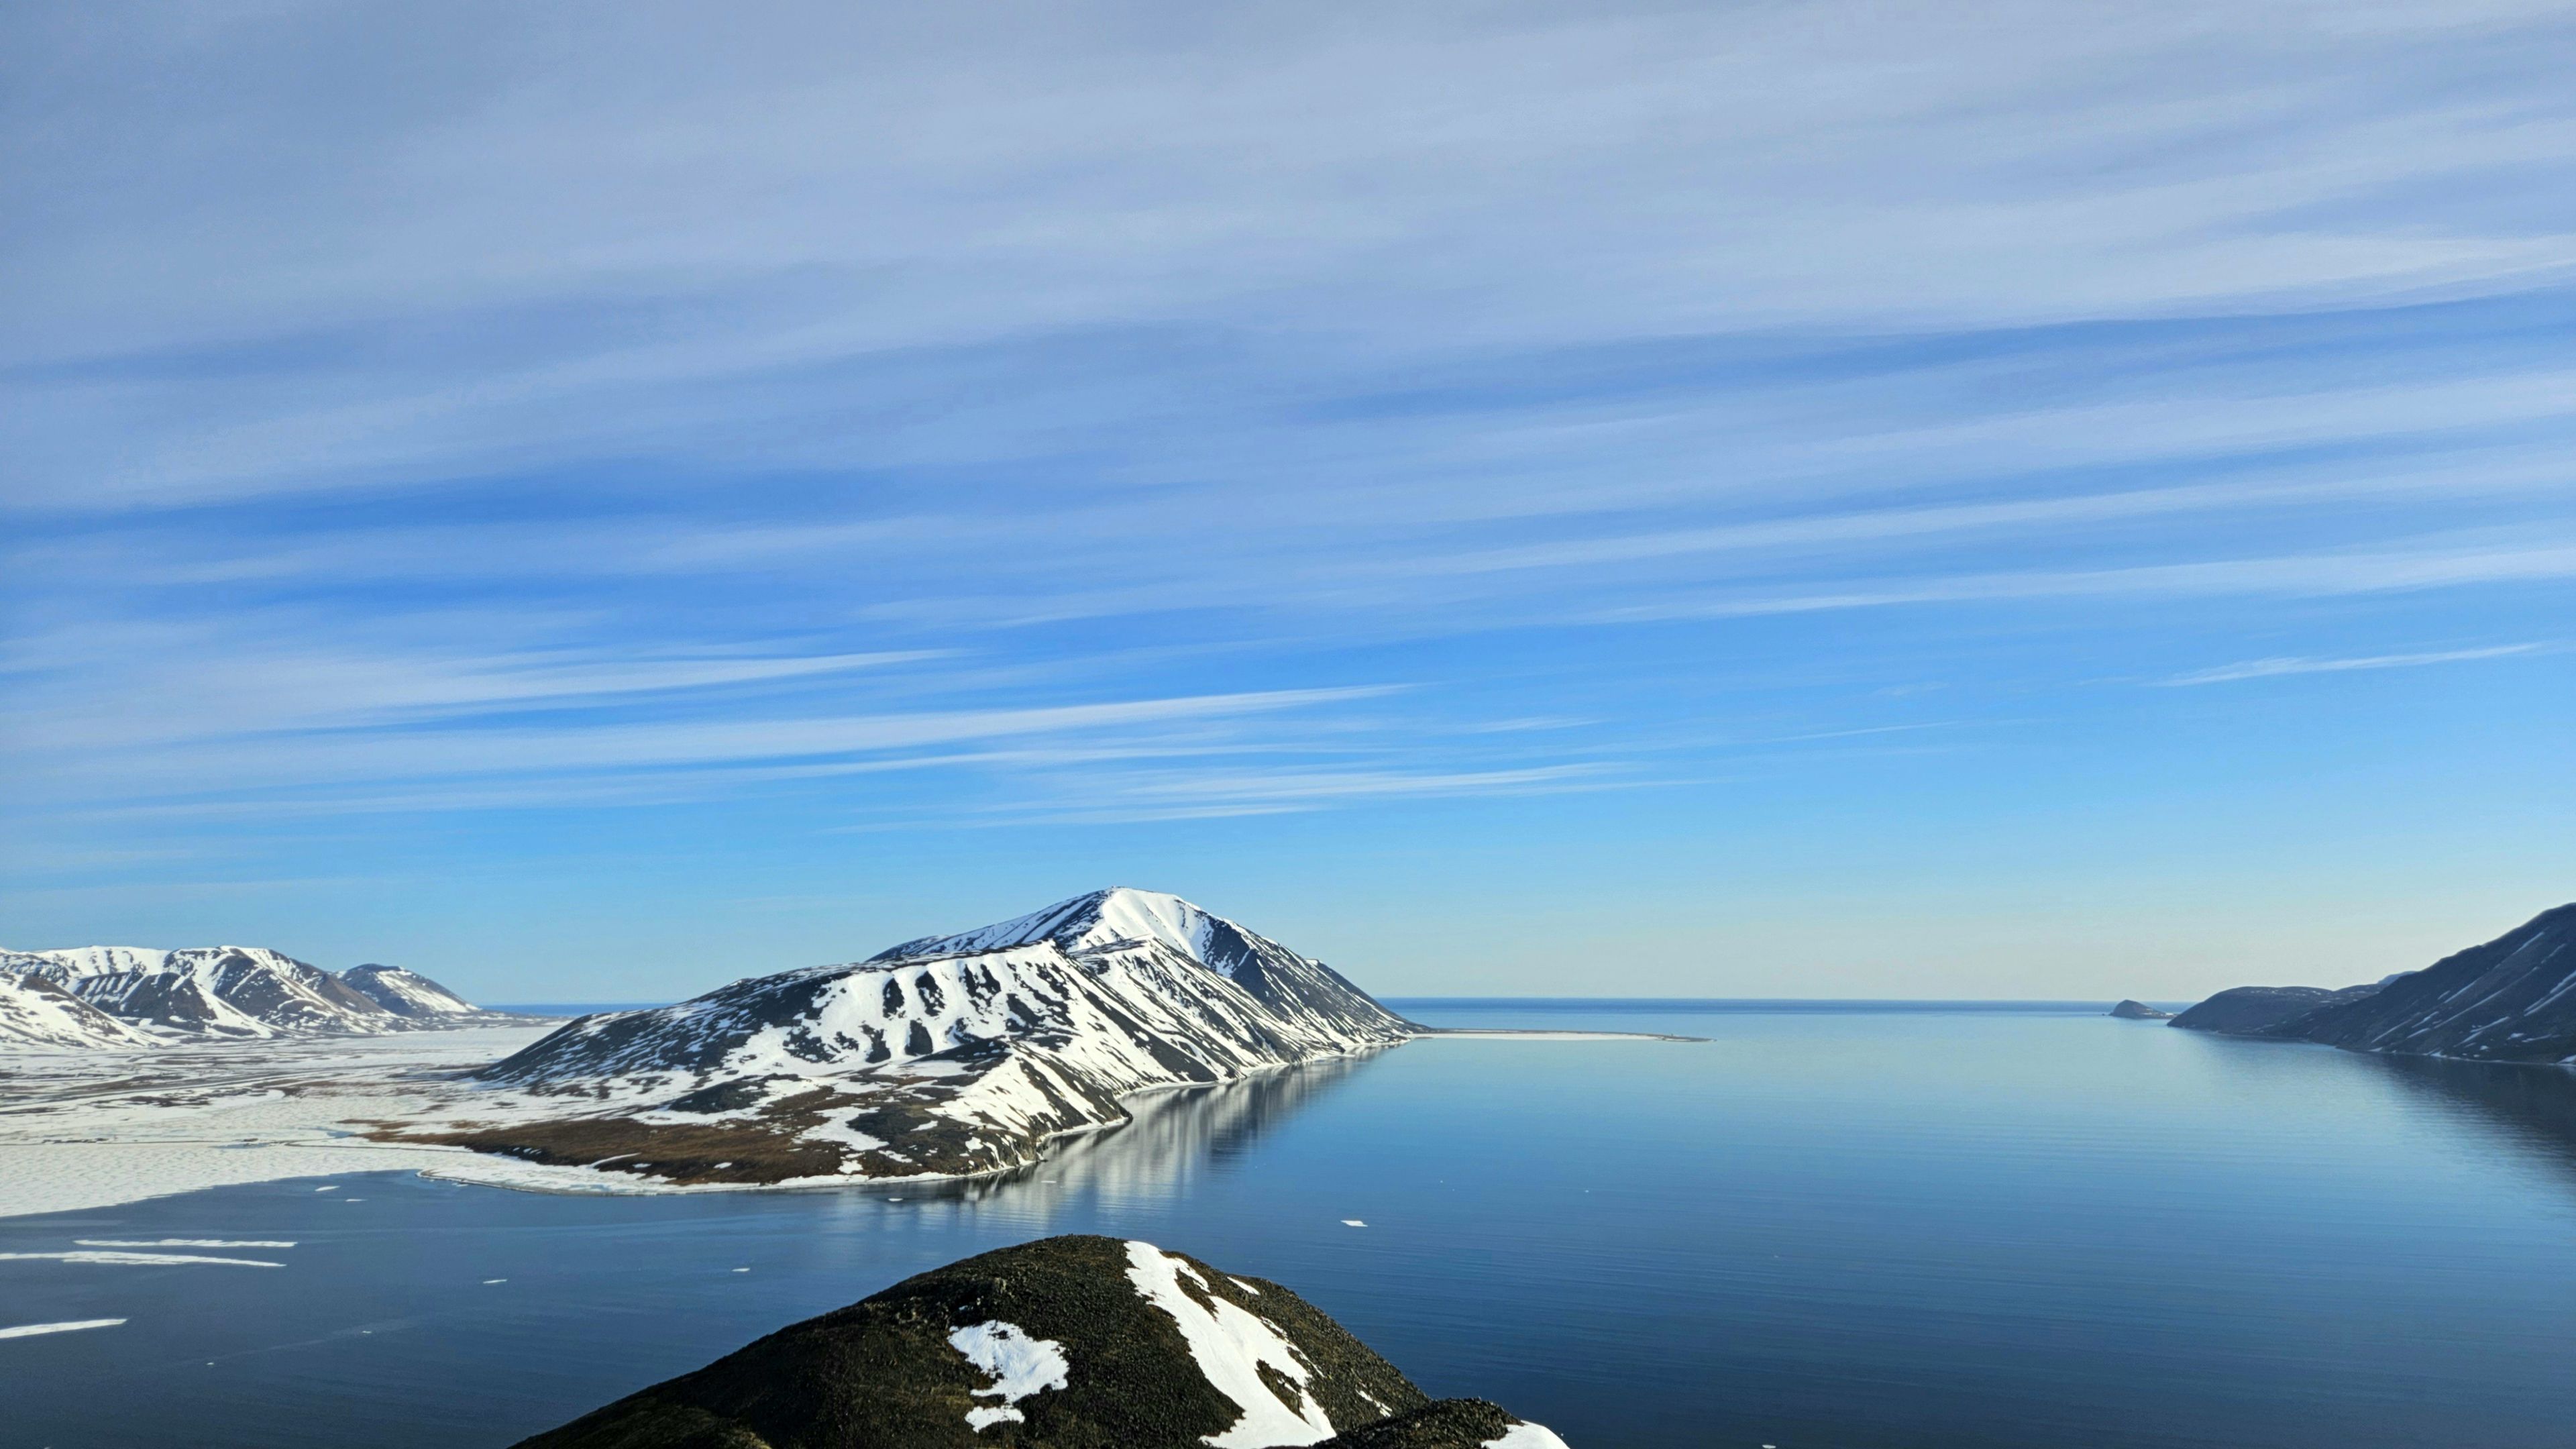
1822, 500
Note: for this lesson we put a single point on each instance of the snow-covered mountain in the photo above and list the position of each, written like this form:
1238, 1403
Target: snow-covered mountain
406, 993
2512, 999
36, 1012
233, 992
948, 1055
1148, 927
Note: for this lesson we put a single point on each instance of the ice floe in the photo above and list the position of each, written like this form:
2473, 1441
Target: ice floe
184, 1242
137, 1260
32, 1330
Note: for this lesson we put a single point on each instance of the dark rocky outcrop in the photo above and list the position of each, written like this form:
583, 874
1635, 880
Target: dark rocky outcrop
2139, 1011
1092, 1353
2512, 999
2248, 1010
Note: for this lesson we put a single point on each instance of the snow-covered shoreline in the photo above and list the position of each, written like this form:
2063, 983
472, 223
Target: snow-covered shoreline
945, 1059
95, 1130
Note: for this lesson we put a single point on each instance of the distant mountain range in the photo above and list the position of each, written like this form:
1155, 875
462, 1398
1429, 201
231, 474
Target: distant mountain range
126, 996
2510, 1000
1063, 1341
947, 1055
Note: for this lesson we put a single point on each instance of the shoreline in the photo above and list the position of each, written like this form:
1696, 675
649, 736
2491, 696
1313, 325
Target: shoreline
1540, 1033
128, 1152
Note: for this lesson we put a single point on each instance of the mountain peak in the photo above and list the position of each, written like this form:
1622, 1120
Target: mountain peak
1094, 921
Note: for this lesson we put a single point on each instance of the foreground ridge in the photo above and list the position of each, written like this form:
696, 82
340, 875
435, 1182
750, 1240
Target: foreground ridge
1066, 1341
946, 1056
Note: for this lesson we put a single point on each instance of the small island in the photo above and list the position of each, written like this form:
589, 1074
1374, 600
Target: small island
2139, 1011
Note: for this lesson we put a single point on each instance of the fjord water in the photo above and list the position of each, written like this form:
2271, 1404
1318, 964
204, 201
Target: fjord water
1847, 1226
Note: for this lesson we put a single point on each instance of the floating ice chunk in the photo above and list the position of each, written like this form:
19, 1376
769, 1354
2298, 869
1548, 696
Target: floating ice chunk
1353, 1223
328, 1187
137, 1260
1231, 1346
1020, 1366
488, 1282
185, 1242
30, 1330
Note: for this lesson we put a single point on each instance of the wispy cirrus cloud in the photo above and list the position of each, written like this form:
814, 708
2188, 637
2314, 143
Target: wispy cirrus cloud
2295, 576
2276, 667
857, 418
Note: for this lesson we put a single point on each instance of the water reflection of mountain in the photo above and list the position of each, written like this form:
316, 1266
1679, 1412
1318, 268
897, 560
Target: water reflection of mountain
2534, 1106
1173, 1137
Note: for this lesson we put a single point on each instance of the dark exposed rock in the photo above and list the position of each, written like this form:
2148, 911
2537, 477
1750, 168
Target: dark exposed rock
2246, 1010
1116, 1369
1440, 1424
2512, 999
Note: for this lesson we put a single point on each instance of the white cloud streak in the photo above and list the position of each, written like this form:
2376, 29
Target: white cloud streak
481, 407
2274, 668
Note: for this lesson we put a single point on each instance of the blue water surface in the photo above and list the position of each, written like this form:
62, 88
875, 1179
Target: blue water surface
1827, 1224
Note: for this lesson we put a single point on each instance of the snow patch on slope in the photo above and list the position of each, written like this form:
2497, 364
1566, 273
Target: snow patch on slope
1020, 1366
1526, 1436
1231, 1346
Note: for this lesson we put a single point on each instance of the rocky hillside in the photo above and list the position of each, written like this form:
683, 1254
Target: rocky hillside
947, 1056
2248, 1010
2512, 999
1072, 1341
406, 993
35, 1012
234, 992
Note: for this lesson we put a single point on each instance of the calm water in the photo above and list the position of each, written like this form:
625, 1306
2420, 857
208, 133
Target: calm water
1822, 1227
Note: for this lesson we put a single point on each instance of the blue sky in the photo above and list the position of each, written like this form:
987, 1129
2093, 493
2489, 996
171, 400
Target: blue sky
1830, 500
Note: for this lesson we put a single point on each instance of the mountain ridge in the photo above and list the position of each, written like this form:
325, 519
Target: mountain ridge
2510, 999
228, 993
